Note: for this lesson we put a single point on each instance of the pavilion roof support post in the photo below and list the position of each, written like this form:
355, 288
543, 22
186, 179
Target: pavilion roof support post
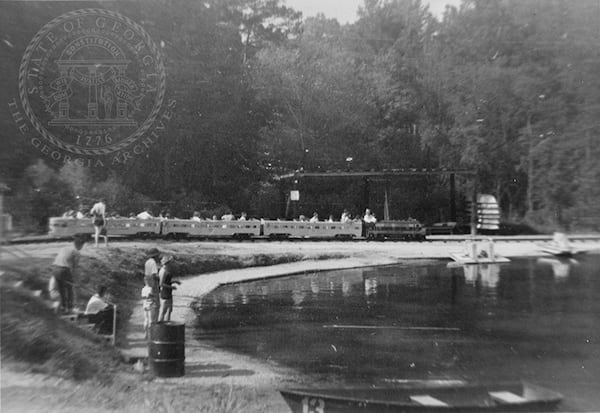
474, 208
3, 188
386, 205
284, 200
366, 194
295, 203
453, 197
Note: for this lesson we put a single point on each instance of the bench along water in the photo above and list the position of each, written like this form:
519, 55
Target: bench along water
166, 349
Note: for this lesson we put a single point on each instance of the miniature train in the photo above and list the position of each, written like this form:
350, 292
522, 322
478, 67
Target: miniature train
409, 230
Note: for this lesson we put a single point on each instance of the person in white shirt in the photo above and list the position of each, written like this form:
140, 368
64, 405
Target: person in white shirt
151, 280
196, 216
369, 218
243, 217
314, 218
228, 217
98, 213
100, 312
96, 302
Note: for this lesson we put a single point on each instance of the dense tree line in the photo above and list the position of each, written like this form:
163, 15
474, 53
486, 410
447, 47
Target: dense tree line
508, 88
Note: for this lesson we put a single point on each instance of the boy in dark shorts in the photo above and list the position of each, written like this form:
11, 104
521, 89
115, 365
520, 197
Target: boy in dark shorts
98, 213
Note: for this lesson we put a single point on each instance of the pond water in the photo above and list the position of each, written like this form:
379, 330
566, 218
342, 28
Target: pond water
531, 319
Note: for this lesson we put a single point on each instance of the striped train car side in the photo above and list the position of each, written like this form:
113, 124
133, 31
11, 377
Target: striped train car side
297, 229
182, 228
67, 227
251, 229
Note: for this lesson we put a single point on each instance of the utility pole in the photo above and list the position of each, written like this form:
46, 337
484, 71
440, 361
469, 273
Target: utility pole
529, 167
3, 189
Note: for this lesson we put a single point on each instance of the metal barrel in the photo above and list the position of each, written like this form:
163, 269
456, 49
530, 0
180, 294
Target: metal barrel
166, 349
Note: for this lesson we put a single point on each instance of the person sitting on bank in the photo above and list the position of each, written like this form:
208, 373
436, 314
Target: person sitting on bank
100, 312
97, 301
166, 288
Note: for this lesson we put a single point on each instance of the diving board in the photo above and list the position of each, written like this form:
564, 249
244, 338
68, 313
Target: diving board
475, 253
506, 397
427, 400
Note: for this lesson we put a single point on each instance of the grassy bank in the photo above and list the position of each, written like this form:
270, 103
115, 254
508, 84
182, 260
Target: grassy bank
38, 340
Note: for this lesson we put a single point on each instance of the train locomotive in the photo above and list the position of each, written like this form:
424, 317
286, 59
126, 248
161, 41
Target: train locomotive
408, 230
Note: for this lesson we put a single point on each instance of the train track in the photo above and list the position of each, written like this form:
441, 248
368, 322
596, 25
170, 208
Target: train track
430, 238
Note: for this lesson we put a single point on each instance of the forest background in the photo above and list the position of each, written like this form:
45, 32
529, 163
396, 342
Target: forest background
507, 88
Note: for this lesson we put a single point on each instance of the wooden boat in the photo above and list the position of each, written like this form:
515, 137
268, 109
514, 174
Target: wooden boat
507, 397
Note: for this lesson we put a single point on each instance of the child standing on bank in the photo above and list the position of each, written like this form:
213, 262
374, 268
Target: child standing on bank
149, 305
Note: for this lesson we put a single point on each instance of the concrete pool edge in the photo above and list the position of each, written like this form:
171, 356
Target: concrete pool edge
270, 375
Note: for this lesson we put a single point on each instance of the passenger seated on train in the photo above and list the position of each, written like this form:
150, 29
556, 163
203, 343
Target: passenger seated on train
302, 218
131, 215
228, 216
345, 216
145, 214
243, 217
330, 218
314, 218
369, 217
196, 216
69, 214
165, 214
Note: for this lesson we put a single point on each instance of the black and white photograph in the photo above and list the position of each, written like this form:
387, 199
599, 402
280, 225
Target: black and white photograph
299, 206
